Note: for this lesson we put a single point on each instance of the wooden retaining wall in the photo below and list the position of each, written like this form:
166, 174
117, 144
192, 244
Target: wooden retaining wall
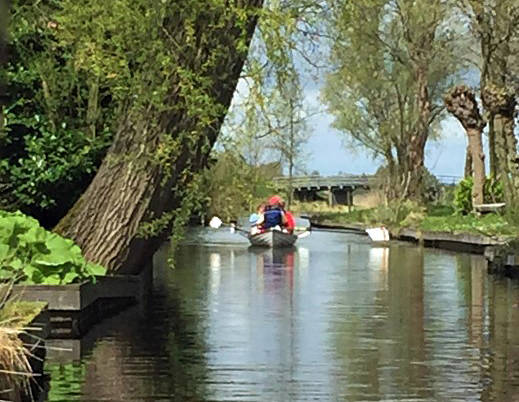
74, 308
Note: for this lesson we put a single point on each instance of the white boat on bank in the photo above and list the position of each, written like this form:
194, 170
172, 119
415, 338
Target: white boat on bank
379, 234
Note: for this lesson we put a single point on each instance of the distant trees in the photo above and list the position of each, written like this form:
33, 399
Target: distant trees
392, 61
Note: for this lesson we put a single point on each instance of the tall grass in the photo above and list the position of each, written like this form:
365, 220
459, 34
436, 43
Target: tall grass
15, 368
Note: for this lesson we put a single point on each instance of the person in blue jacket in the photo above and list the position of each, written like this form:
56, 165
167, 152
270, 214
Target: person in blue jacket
274, 215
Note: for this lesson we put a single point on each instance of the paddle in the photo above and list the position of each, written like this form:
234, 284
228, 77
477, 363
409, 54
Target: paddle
216, 223
304, 234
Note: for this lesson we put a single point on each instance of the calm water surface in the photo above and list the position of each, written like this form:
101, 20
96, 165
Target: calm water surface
334, 319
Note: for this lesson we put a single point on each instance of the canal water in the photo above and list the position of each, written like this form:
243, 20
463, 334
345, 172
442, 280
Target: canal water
335, 319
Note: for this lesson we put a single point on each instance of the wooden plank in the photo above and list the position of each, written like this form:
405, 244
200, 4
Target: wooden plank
489, 207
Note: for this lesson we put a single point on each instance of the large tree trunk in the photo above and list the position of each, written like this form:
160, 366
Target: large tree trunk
501, 104
416, 145
461, 102
478, 165
132, 187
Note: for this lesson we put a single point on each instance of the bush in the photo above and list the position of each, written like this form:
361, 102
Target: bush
48, 169
31, 255
493, 192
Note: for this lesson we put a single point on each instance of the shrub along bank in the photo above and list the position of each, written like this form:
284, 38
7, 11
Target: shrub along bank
29, 254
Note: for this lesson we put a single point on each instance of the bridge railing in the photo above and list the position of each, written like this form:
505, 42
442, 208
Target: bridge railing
449, 180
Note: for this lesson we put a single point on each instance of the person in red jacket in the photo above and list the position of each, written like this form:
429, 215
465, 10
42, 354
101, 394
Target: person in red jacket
290, 223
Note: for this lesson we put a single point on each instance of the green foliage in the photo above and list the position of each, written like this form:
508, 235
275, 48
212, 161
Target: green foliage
52, 172
31, 255
57, 116
395, 214
488, 224
440, 210
463, 196
235, 187
493, 192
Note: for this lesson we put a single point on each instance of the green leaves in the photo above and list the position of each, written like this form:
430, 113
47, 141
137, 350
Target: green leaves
29, 254
493, 192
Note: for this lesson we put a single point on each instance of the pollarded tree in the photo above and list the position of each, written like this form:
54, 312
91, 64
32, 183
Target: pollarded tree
392, 61
495, 26
461, 102
176, 64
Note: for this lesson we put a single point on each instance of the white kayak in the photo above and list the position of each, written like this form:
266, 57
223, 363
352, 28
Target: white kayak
380, 234
272, 238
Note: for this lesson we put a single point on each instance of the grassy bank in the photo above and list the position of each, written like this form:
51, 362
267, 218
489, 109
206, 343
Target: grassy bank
409, 215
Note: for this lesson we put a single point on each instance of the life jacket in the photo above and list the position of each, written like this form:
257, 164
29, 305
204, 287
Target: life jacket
273, 217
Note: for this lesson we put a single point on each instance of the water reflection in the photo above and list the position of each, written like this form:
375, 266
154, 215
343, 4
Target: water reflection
333, 319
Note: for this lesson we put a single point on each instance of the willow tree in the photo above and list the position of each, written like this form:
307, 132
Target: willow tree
392, 61
268, 119
174, 66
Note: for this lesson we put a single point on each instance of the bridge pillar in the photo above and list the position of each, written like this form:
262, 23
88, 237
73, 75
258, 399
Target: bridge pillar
305, 195
331, 198
341, 196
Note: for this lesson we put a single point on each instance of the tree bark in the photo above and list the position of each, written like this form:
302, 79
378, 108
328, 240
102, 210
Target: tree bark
468, 162
416, 145
461, 102
478, 165
492, 148
501, 104
131, 186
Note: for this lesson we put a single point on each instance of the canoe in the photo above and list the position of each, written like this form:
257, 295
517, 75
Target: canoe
380, 234
272, 238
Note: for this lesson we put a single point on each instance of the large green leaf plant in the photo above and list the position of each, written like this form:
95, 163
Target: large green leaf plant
29, 254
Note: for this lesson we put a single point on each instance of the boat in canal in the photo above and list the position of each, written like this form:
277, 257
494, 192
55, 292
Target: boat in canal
273, 238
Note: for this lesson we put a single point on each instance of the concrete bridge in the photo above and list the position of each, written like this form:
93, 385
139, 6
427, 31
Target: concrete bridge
340, 188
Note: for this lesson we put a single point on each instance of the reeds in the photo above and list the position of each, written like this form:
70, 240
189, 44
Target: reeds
15, 368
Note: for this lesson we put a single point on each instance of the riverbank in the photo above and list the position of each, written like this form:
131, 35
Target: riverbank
446, 231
